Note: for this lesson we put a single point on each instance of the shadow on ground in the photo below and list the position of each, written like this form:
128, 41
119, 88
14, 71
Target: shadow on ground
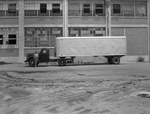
4, 63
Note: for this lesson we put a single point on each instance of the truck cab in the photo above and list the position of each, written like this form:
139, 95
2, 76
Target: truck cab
43, 57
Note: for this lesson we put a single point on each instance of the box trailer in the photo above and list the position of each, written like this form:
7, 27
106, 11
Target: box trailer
111, 47
67, 48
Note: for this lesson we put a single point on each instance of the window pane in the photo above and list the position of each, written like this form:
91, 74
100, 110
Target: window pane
12, 39
74, 32
87, 10
43, 8
12, 8
1, 39
2, 9
128, 9
140, 9
74, 9
116, 8
99, 10
87, 31
56, 10
41, 37
31, 8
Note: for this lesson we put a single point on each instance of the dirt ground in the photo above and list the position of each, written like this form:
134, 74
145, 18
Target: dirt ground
75, 89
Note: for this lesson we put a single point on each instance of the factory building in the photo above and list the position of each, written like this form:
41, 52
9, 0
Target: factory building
29, 25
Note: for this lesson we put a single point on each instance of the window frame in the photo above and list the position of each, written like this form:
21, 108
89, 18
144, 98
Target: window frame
99, 8
116, 10
86, 8
56, 10
41, 36
13, 40
1, 39
138, 14
131, 9
74, 9
128, 9
2, 10
43, 9
12, 9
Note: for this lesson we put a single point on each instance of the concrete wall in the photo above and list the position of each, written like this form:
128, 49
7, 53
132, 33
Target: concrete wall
136, 29
137, 39
43, 20
9, 52
86, 20
129, 21
9, 21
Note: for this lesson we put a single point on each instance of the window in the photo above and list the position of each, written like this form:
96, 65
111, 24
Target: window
74, 9
116, 8
128, 8
56, 10
11, 39
87, 31
31, 8
8, 36
1, 39
2, 10
43, 8
41, 37
100, 31
86, 10
74, 32
141, 9
99, 10
12, 10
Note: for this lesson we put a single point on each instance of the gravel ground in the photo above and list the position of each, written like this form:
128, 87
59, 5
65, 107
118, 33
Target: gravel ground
75, 89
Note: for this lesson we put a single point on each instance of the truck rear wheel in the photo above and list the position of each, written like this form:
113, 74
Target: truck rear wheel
115, 60
31, 63
62, 62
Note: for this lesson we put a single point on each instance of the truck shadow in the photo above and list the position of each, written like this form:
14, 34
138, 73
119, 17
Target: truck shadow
84, 64
90, 64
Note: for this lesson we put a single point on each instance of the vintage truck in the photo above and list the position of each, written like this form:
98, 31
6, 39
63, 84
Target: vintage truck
67, 48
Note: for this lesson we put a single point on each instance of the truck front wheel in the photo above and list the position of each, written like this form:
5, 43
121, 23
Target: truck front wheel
115, 60
62, 62
31, 63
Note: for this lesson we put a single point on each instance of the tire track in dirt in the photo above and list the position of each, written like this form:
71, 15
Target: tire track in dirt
46, 100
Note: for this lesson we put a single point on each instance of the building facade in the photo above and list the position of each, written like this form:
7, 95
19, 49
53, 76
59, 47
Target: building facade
29, 25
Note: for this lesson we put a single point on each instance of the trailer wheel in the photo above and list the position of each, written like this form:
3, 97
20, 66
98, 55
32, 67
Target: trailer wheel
62, 62
115, 60
31, 63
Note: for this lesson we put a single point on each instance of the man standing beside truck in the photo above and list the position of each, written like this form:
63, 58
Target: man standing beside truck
36, 58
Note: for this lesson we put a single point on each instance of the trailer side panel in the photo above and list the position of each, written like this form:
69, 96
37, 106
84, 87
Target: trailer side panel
90, 46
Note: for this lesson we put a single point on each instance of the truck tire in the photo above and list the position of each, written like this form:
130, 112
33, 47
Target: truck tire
62, 62
31, 63
115, 60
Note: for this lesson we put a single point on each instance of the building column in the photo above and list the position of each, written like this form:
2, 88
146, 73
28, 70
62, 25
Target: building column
107, 4
21, 31
148, 15
65, 18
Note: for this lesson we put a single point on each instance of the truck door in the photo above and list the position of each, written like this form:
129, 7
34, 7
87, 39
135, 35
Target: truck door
44, 55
